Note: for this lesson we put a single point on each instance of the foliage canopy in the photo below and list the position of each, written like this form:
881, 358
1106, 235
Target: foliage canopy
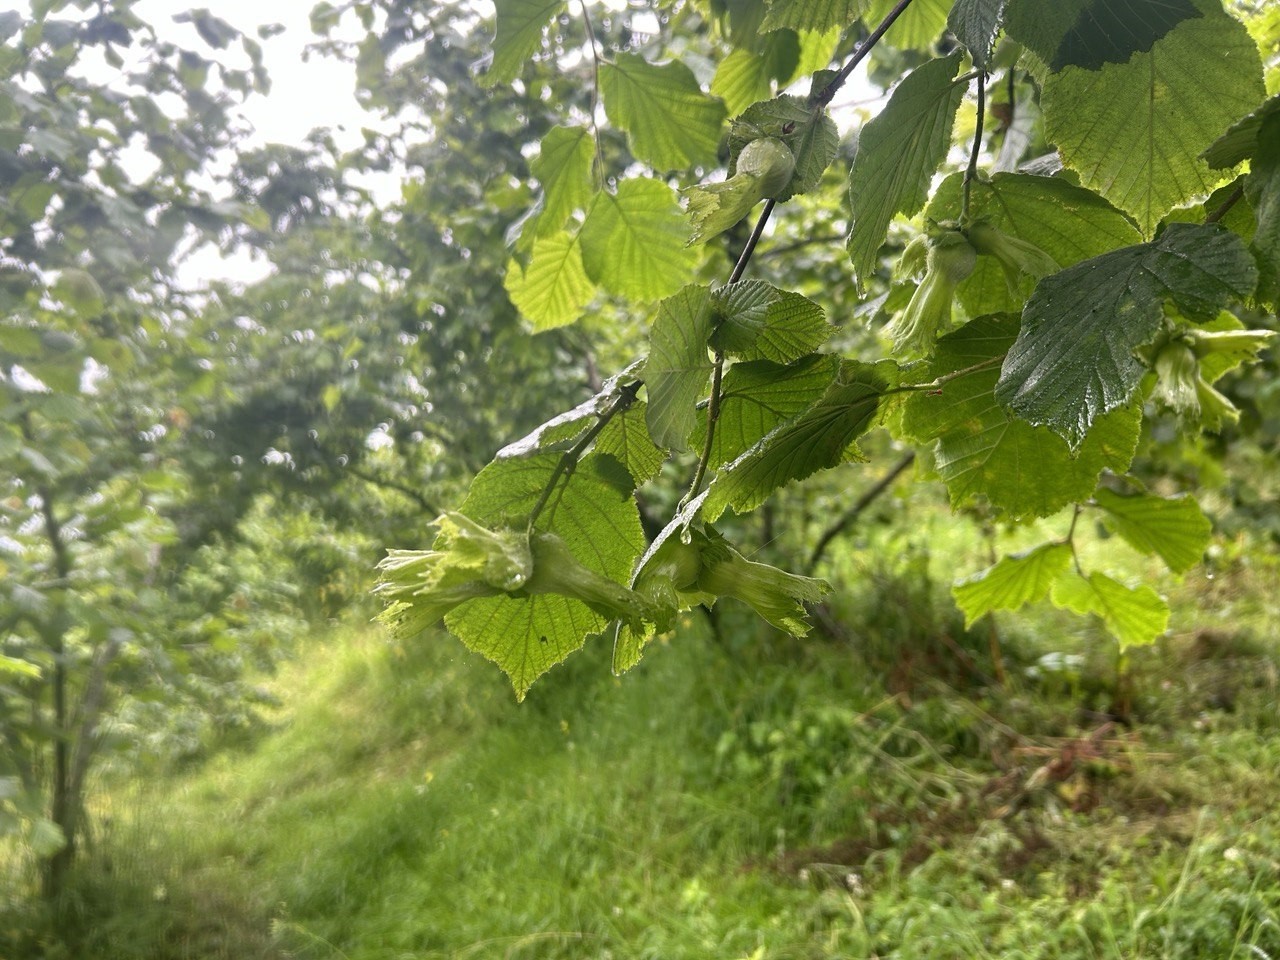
1106, 255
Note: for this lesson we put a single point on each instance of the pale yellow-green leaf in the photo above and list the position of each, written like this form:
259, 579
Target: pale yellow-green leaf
1013, 582
554, 288
670, 122
1135, 616
518, 36
563, 167
634, 242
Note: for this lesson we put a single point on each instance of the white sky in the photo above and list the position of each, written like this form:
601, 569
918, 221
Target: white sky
306, 93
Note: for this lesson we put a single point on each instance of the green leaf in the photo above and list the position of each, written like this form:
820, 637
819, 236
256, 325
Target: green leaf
759, 396
742, 78
633, 242
80, 291
596, 521
1012, 583
15, 667
1173, 528
676, 372
746, 76
975, 23
819, 439
670, 123
757, 321
918, 28
1241, 141
1134, 131
560, 431
981, 451
1134, 616
898, 153
19, 341
1074, 357
817, 50
554, 288
626, 439
810, 135
1066, 221
816, 15
563, 167
518, 36
1262, 188
1092, 33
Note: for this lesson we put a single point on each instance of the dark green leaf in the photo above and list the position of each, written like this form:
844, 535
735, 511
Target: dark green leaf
981, 451
975, 23
1074, 357
757, 397
1091, 33
1262, 189
1241, 141
818, 440
898, 153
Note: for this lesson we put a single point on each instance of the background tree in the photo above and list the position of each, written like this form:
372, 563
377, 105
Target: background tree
100, 354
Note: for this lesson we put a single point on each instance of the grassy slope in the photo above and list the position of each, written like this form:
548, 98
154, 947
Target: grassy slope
753, 797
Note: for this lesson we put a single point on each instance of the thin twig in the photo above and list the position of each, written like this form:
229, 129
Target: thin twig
1225, 207
713, 417
717, 370
569, 459
938, 383
595, 93
971, 171
402, 488
851, 515
740, 267
1070, 539
829, 91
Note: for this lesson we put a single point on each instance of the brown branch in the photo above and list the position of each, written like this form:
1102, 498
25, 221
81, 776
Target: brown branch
851, 515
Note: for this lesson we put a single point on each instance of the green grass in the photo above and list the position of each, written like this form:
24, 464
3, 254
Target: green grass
740, 796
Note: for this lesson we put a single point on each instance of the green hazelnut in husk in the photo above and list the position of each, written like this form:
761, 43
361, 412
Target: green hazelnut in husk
949, 260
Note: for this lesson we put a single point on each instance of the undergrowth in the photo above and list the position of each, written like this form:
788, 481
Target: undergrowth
869, 792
